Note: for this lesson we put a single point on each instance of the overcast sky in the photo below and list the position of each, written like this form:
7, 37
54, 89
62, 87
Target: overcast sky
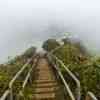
29, 22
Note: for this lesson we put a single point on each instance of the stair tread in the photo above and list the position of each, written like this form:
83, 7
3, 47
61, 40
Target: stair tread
44, 72
45, 78
44, 96
45, 90
46, 85
44, 81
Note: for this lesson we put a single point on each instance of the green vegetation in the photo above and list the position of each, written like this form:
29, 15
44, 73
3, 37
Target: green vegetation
86, 69
74, 55
8, 70
28, 53
52, 42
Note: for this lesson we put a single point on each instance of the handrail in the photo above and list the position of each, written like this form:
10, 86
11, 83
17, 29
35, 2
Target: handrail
16, 76
27, 77
73, 77
9, 91
66, 86
90, 96
69, 72
62, 78
58, 47
29, 73
19, 73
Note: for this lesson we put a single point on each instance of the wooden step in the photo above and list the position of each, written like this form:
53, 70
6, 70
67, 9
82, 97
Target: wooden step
45, 85
44, 81
43, 73
45, 90
46, 96
42, 68
45, 78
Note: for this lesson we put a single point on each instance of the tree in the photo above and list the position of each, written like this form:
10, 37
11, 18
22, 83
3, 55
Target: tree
50, 44
29, 53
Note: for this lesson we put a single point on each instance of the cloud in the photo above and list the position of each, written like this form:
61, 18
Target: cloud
30, 22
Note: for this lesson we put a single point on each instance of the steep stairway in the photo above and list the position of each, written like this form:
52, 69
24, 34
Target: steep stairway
46, 87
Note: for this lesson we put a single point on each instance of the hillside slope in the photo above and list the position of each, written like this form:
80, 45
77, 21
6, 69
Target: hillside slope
77, 59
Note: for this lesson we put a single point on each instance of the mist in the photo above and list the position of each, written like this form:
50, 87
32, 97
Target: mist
25, 23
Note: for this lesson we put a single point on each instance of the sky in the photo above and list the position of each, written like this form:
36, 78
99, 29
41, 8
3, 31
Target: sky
30, 22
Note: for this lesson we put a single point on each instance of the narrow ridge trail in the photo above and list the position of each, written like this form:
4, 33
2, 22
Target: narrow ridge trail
46, 86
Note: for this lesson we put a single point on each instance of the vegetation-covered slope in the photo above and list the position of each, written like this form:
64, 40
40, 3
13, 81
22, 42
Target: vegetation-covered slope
80, 63
85, 68
8, 70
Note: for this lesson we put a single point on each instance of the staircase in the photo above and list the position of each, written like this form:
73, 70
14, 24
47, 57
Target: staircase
45, 84
41, 82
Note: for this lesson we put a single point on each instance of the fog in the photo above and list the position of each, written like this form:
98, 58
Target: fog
29, 22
